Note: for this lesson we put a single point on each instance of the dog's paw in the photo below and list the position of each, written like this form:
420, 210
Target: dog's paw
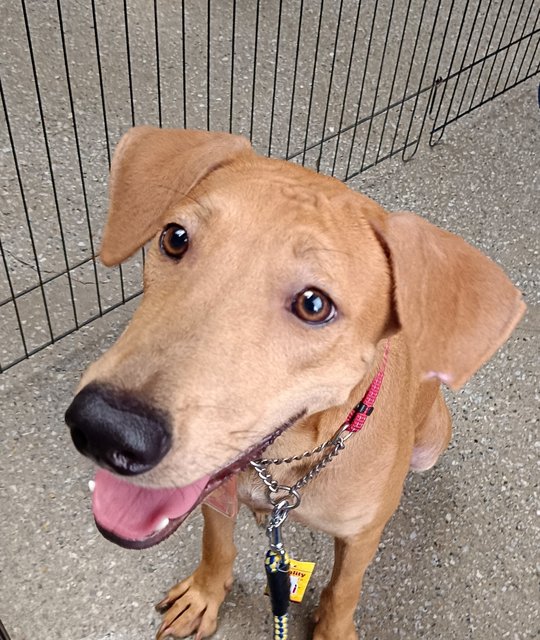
323, 632
191, 608
327, 628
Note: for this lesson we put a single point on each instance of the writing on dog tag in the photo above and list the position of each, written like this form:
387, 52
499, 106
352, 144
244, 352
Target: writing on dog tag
300, 575
225, 498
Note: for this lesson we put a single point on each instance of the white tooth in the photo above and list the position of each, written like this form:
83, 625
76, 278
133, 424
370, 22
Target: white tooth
91, 485
162, 524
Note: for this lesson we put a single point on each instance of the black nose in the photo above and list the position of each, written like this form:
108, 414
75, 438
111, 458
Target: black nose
117, 429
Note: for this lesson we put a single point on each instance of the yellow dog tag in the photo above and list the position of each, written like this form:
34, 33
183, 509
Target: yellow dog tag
300, 574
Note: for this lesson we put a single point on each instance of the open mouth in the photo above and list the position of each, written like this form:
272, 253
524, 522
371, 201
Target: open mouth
137, 517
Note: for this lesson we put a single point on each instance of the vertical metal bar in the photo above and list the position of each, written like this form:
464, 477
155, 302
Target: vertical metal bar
347, 82
101, 84
460, 71
381, 66
132, 106
518, 46
321, 11
434, 83
184, 97
26, 213
494, 58
527, 48
394, 77
128, 55
293, 92
330, 81
274, 88
208, 59
254, 79
233, 53
14, 300
533, 59
450, 66
158, 71
479, 40
493, 29
105, 126
407, 81
508, 49
79, 157
49, 161
347, 170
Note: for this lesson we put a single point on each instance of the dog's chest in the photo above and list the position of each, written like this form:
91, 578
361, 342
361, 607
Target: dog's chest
324, 505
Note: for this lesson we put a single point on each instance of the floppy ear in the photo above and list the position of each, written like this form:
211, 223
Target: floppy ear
455, 306
151, 169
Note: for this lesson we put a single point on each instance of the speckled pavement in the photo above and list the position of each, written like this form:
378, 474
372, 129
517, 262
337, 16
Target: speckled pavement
458, 560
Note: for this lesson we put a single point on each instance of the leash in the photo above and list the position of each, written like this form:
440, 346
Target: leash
284, 498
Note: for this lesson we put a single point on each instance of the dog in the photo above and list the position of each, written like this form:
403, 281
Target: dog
273, 297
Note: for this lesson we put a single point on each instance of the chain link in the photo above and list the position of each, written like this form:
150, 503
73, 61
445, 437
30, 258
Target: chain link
296, 458
288, 496
282, 497
337, 444
314, 471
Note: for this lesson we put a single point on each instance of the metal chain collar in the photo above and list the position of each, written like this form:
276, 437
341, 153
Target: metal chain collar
290, 495
283, 497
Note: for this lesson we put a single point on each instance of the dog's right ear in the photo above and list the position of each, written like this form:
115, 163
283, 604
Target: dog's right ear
151, 169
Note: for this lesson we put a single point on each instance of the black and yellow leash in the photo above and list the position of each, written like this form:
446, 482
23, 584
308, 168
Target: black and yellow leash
284, 498
276, 563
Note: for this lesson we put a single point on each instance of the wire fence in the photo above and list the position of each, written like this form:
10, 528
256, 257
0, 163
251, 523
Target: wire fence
337, 85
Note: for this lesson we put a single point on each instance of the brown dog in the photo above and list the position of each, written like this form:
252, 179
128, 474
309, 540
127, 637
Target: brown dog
269, 294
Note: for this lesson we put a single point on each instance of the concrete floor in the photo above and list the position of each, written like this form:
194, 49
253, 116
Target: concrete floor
459, 558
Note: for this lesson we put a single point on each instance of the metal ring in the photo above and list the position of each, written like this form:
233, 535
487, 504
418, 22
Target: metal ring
283, 502
338, 435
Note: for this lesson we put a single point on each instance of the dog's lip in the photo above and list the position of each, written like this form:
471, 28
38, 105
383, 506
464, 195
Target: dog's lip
217, 478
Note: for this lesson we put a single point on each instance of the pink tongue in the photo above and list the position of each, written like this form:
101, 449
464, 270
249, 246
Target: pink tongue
133, 512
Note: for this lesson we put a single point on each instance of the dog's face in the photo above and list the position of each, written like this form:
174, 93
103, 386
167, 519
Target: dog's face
266, 290
254, 314
259, 315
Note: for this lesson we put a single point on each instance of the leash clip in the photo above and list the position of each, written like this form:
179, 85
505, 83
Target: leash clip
290, 501
273, 530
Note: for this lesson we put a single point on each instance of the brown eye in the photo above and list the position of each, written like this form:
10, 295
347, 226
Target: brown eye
313, 306
174, 241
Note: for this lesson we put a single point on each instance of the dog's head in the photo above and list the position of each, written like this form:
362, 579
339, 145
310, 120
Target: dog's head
267, 288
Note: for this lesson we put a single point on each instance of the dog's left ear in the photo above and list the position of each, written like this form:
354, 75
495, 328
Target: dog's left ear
151, 170
454, 305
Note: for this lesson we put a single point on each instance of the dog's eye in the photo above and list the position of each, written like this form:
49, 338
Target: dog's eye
313, 306
174, 241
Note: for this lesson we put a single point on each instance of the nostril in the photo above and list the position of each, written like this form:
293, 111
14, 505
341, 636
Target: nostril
121, 459
125, 463
79, 440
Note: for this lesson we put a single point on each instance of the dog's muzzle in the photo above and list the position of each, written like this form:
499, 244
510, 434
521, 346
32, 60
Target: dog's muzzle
118, 430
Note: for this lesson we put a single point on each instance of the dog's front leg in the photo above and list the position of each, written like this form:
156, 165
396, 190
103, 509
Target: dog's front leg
191, 607
335, 615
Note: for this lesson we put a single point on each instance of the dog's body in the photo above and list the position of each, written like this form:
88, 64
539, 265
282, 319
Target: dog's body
220, 355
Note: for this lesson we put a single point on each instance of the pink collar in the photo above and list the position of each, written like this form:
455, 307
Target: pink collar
359, 414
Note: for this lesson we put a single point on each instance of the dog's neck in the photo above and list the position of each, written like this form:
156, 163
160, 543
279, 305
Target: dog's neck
319, 427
